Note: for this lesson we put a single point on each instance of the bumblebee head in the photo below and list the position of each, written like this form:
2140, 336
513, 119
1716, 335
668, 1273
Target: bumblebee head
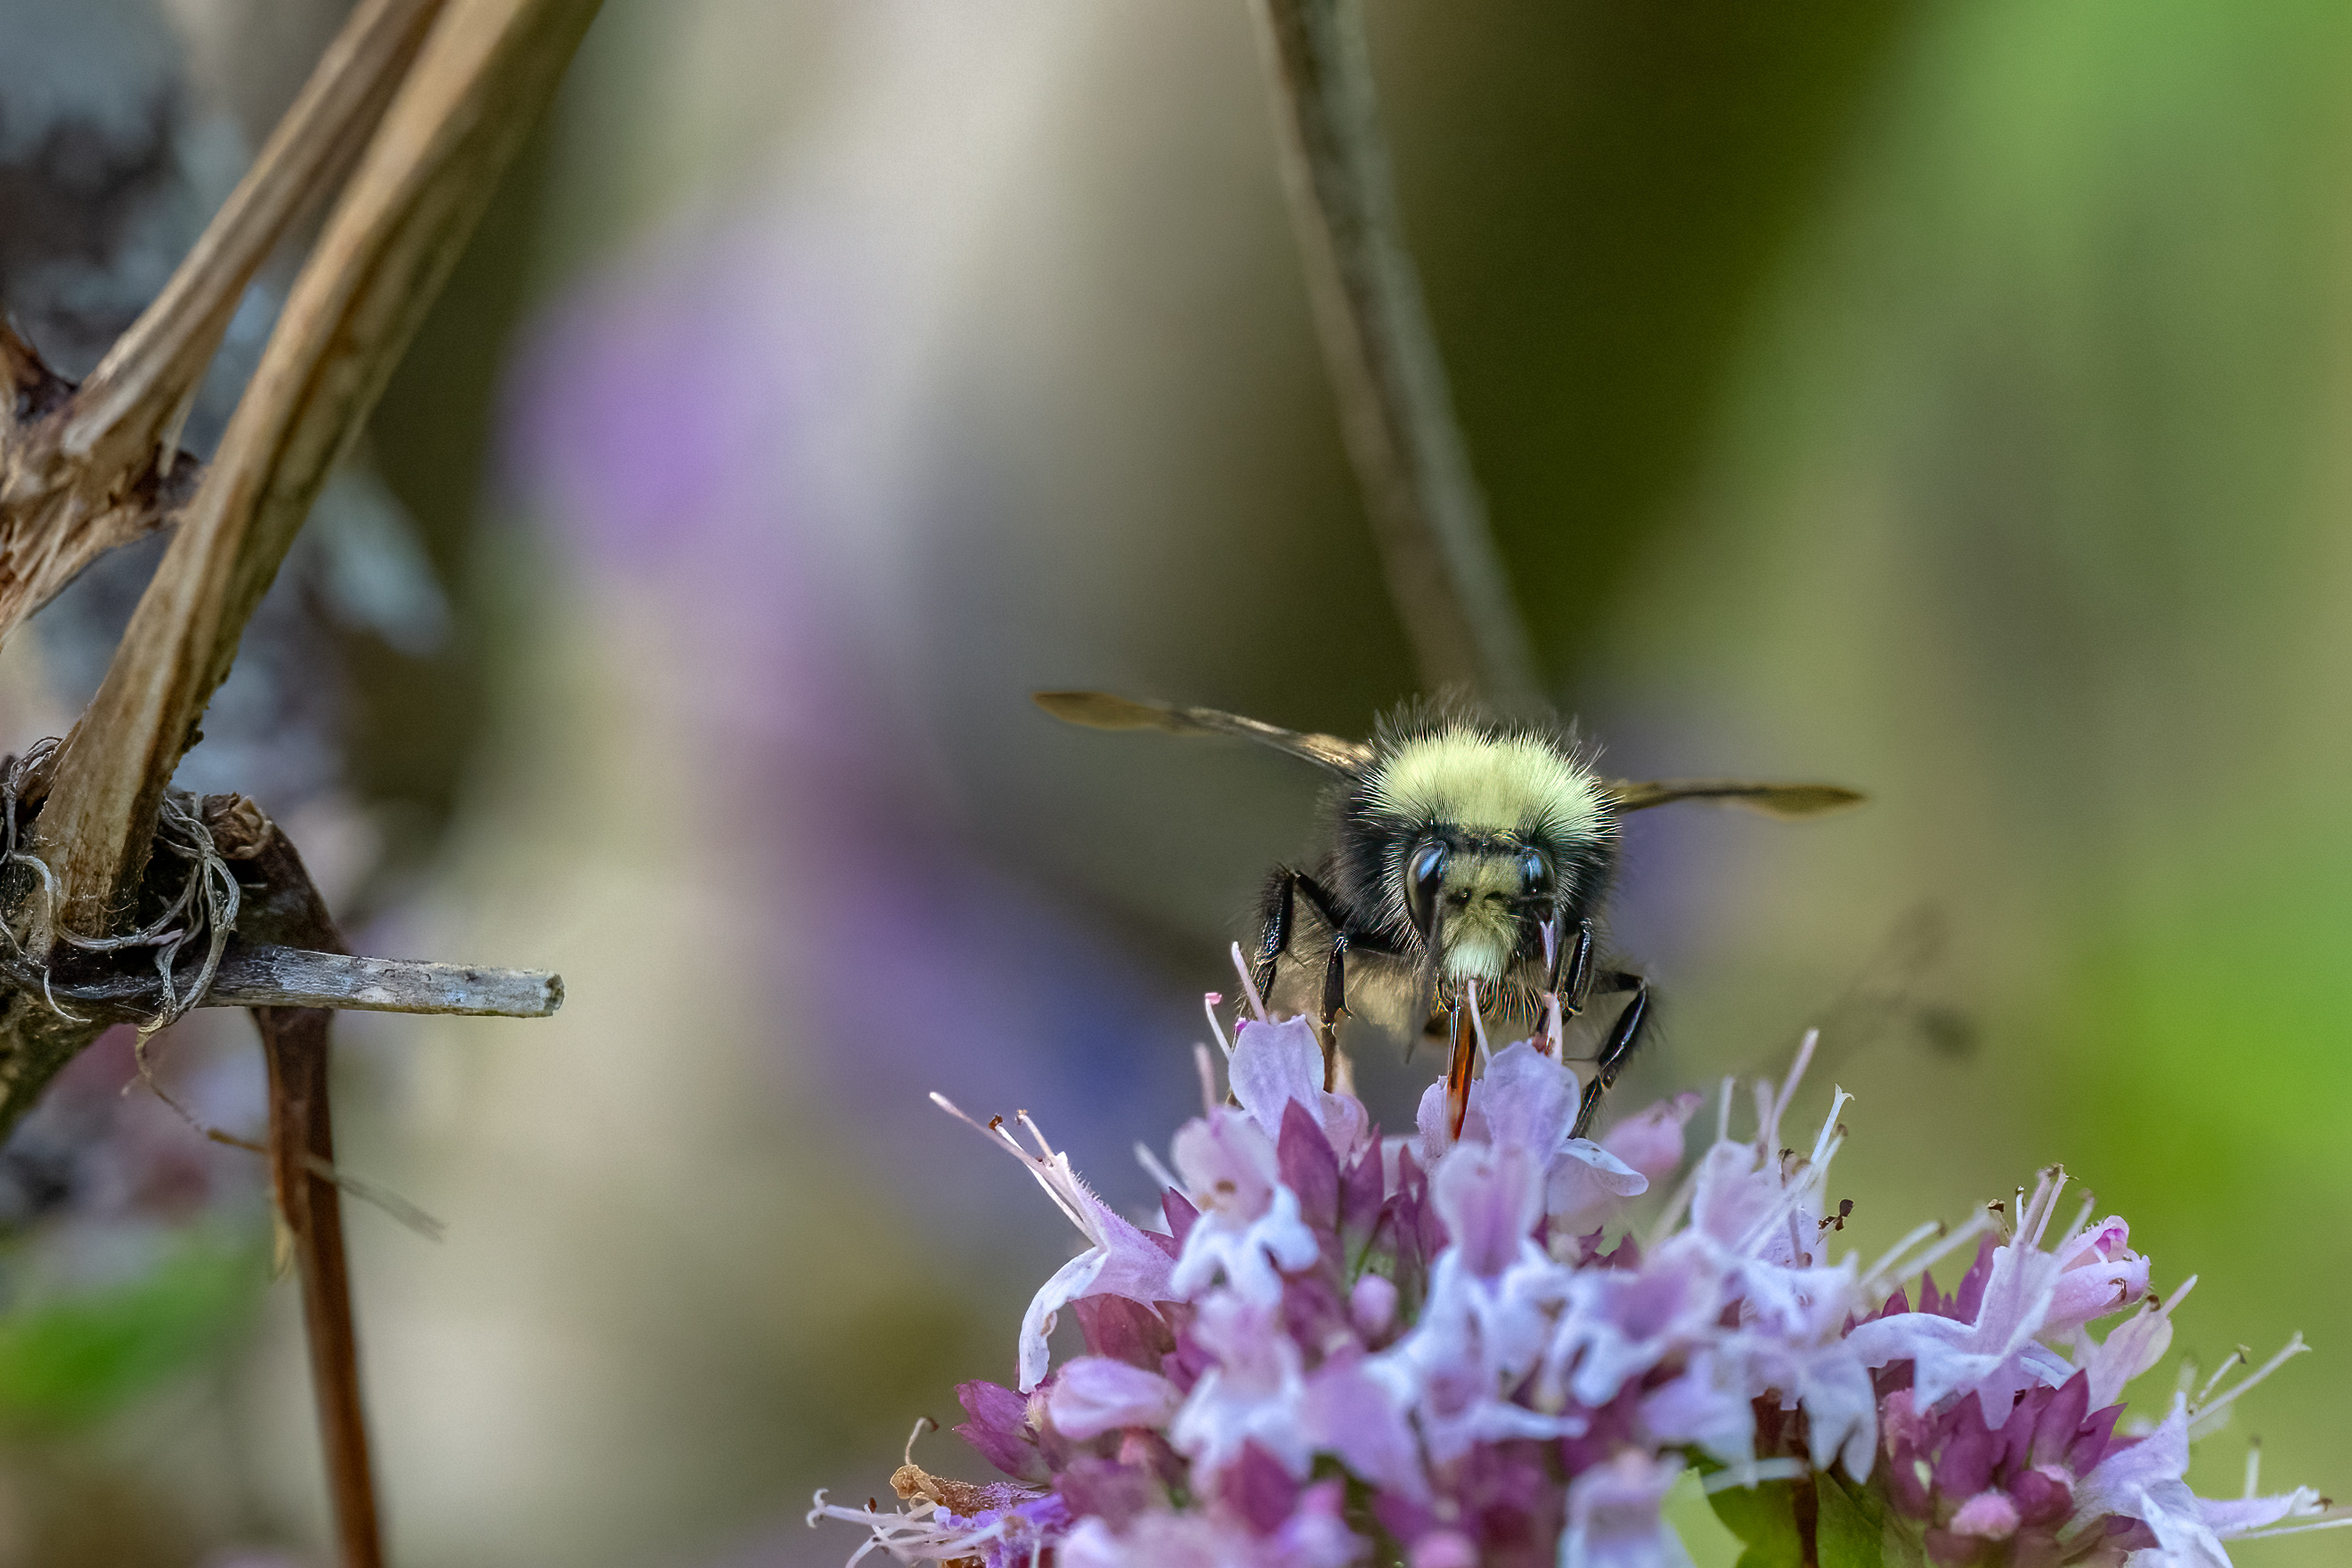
1478, 838
1478, 900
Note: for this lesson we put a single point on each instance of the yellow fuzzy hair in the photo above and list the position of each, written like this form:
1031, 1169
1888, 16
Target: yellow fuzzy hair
1493, 784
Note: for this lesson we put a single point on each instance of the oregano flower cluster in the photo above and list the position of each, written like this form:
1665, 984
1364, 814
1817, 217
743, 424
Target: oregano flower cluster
1336, 1348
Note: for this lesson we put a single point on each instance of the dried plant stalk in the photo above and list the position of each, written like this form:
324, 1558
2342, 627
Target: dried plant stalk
261, 975
293, 977
85, 469
1430, 521
294, 1042
442, 92
479, 82
302, 1146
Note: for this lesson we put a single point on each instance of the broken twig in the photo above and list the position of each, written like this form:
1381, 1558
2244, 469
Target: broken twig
291, 977
264, 976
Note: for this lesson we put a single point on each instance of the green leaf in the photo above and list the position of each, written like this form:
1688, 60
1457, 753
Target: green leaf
1765, 1519
1847, 1529
1687, 1513
69, 1359
1855, 1528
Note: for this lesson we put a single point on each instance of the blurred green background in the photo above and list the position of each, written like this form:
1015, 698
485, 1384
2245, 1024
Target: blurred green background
1946, 399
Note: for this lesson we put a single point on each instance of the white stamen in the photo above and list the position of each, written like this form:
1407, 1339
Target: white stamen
1822, 1146
1154, 1170
949, 1106
1790, 1201
921, 1423
1723, 1114
1204, 1064
1478, 1025
1051, 1172
2336, 1521
2082, 1226
1791, 1197
2044, 1203
1249, 985
1976, 1226
1918, 1233
2241, 1357
911, 1532
1796, 1073
2253, 1469
1045, 1149
1210, 1003
2203, 1419
1672, 1214
1817, 1172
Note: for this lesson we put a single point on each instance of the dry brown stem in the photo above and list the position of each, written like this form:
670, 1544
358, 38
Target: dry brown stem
1396, 414
301, 1147
301, 1168
432, 98
260, 975
291, 976
480, 80
85, 469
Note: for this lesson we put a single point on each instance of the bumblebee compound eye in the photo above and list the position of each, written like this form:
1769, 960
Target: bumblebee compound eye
1425, 879
1535, 875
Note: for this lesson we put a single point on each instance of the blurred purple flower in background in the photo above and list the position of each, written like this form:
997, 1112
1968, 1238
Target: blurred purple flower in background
703, 430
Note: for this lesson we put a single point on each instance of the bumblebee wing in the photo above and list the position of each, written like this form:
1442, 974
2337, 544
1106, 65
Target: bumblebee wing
1783, 801
1100, 710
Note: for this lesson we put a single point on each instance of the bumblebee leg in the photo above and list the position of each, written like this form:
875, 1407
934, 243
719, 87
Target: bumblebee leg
1334, 1002
1277, 915
1273, 930
1572, 987
1624, 1038
1325, 910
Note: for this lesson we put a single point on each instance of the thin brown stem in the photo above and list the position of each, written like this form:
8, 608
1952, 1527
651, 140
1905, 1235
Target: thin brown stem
301, 1146
480, 80
1396, 414
302, 1166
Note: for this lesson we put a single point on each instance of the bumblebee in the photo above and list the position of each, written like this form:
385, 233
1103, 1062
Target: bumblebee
1461, 873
